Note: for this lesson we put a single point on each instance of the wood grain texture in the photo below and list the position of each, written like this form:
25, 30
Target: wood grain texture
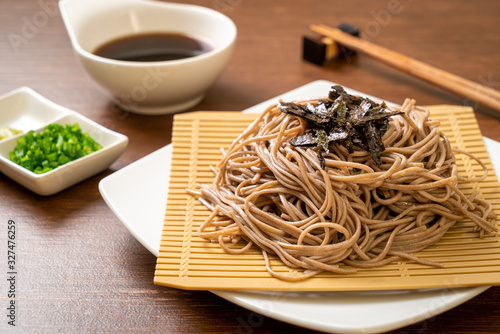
80, 270
468, 89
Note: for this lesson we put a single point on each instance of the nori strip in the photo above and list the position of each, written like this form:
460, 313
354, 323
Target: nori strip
348, 119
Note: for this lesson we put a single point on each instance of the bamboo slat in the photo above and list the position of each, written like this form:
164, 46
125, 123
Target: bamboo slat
189, 262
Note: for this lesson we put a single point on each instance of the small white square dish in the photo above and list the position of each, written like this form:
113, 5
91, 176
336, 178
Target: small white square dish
24, 109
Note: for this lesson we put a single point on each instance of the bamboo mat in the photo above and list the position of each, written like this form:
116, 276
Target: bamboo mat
188, 262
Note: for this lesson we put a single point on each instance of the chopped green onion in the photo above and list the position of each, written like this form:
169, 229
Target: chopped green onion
56, 145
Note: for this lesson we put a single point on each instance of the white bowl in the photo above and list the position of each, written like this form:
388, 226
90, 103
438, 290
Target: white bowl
152, 88
25, 110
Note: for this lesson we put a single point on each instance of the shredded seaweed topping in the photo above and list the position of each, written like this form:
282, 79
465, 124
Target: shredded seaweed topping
348, 119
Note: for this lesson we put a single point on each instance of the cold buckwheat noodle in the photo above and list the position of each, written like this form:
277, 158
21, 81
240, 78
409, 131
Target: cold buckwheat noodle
351, 214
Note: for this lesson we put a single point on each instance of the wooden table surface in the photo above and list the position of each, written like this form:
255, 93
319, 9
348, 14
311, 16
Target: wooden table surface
81, 271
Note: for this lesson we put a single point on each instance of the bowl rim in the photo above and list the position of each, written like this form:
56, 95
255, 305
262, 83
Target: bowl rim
190, 7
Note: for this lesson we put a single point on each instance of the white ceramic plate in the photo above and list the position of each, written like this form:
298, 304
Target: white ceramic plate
137, 195
24, 109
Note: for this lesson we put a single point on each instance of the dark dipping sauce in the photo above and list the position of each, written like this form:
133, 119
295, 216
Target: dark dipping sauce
153, 47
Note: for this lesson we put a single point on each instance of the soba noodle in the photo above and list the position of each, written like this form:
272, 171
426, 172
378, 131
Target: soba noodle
351, 214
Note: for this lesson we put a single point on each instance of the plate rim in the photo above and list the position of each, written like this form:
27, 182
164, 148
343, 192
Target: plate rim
241, 297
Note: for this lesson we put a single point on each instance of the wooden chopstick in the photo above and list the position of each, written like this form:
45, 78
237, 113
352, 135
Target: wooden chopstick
454, 83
